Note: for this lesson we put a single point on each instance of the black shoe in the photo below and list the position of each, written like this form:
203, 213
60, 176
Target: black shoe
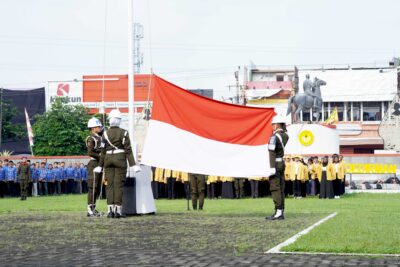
200, 208
117, 215
22, 198
194, 207
273, 218
110, 215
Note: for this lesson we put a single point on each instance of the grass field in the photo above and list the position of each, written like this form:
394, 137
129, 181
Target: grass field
366, 223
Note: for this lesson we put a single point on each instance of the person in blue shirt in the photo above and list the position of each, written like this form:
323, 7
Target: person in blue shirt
63, 179
78, 179
58, 177
3, 185
11, 175
35, 176
69, 172
84, 175
42, 179
50, 179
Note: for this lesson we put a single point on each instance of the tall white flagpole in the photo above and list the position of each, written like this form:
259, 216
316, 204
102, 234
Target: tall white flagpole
131, 76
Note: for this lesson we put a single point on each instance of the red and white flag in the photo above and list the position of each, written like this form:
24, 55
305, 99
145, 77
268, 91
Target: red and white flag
29, 127
194, 134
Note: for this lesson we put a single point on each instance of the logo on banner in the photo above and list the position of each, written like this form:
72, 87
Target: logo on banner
69, 92
63, 89
306, 138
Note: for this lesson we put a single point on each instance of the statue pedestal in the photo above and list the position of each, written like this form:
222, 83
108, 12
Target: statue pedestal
312, 139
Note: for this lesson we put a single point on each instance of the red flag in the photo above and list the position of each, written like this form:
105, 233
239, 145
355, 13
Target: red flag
191, 133
29, 127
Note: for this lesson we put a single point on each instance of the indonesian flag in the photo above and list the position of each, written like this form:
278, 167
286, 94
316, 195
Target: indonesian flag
29, 127
194, 134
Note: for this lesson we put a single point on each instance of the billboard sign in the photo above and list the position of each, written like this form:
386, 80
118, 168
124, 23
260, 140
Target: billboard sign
71, 91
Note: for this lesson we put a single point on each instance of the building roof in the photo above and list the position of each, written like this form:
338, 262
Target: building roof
354, 85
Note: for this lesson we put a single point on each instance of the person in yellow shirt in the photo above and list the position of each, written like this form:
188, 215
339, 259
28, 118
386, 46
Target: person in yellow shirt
158, 176
298, 173
326, 187
227, 187
316, 175
288, 176
254, 181
171, 181
305, 178
343, 184
211, 182
183, 177
337, 172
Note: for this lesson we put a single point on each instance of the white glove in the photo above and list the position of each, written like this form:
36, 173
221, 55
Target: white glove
273, 172
133, 170
98, 169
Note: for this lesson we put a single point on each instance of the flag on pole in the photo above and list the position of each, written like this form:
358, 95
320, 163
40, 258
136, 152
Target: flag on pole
29, 127
194, 134
333, 117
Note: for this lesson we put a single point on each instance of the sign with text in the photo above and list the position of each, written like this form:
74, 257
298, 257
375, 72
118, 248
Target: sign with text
70, 91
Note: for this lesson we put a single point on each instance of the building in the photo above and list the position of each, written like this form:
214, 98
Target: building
362, 97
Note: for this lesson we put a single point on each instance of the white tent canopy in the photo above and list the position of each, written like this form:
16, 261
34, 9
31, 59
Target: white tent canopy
354, 85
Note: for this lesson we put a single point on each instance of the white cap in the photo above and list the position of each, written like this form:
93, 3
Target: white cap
115, 113
279, 119
94, 122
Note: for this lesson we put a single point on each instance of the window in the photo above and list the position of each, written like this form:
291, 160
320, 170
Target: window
348, 111
280, 78
356, 111
372, 111
340, 109
307, 115
326, 114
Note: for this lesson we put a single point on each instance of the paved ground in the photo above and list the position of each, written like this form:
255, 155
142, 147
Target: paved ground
92, 256
187, 239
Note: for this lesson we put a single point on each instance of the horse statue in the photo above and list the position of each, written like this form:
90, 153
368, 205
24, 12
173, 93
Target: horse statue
309, 99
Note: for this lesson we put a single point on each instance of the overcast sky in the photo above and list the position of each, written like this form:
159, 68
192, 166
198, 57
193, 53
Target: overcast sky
193, 43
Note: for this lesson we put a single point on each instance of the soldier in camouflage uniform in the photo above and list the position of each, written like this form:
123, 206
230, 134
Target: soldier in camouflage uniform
198, 188
276, 147
24, 174
114, 156
94, 145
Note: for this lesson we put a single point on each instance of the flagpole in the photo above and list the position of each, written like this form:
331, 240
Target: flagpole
131, 76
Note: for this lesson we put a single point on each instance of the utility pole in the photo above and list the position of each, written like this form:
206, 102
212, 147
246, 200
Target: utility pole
237, 86
137, 55
131, 76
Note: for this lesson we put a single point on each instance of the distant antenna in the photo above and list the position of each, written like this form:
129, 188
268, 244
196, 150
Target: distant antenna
137, 55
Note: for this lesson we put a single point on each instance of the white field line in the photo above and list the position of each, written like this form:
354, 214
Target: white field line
337, 254
293, 239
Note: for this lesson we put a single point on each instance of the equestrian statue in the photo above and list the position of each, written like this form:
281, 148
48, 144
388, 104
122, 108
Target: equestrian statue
311, 98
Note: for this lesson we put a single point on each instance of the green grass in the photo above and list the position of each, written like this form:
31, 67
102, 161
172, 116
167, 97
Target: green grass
366, 223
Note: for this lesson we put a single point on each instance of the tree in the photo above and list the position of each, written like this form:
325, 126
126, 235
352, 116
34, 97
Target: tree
61, 131
10, 130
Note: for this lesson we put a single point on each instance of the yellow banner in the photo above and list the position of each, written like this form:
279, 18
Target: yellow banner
371, 168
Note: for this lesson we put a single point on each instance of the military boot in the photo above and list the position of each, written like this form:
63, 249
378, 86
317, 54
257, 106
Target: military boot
118, 212
110, 213
89, 211
95, 212
277, 216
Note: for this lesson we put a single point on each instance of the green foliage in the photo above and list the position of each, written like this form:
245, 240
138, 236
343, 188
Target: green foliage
11, 130
61, 131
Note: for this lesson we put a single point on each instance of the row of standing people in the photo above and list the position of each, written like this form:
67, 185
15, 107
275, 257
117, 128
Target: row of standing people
317, 177
42, 178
